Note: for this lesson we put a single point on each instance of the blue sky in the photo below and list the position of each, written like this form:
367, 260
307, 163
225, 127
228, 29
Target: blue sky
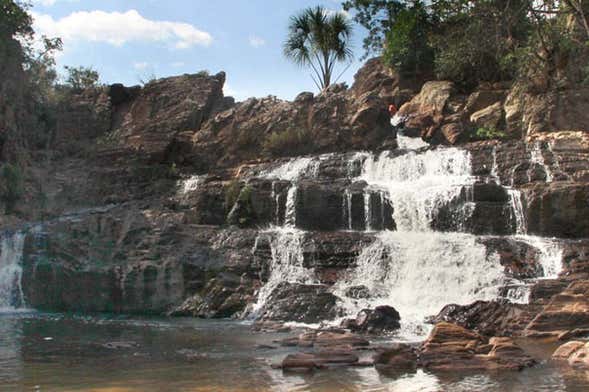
131, 40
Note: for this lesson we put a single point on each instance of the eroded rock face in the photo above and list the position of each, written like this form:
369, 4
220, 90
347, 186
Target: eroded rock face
165, 107
452, 348
566, 311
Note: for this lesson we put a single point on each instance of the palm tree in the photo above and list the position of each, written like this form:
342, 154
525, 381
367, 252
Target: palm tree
319, 39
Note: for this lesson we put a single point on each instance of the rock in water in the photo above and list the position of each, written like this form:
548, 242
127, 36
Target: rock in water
451, 348
398, 357
377, 320
575, 353
301, 303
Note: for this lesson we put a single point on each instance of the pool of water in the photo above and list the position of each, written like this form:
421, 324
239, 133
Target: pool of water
57, 352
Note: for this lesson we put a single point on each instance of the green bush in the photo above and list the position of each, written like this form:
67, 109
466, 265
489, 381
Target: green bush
232, 191
81, 78
12, 186
484, 133
289, 142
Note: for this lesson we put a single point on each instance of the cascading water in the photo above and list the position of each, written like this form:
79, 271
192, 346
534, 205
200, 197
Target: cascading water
418, 184
11, 251
537, 158
419, 273
286, 263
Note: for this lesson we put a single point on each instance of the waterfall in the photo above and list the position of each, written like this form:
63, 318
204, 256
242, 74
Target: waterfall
536, 157
286, 263
189, 185
517, 209
290, 216
418, 184
11, 253
420, 273
550, 254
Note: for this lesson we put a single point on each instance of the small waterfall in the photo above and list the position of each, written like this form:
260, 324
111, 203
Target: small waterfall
11, 253
550, 257
410, 143
420, 273
494, 176
286, 263
517, 209
418, 184
290, 216
347, 208
537, 158
367, 211
190, 184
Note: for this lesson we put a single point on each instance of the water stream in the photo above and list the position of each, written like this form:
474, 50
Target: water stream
11, 251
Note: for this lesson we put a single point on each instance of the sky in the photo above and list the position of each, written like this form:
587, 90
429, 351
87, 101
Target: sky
130, 41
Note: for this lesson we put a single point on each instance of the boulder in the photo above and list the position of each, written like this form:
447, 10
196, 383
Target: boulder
575, 353
301, 303
378, 320
490, 117
399, 357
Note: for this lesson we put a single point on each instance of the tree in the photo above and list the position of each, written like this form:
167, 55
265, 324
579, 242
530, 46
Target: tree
14, 20
319, 39
406, 46
81, 78
376, 16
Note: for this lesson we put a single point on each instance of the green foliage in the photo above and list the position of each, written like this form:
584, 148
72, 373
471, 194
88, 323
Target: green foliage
407, 48
378, 17
14, 20
484, 133
319, 40
12, 189
81, 78
289, 142
232, 191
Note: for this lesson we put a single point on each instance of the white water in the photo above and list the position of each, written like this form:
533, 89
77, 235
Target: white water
11, 252
517, 209
537, 158
286, 263
189, 185
550, 254
418, 184
420, 273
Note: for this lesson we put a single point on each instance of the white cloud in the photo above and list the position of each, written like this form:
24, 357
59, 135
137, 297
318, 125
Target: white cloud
256, 41
48, 3
118, 28
178, 64
140, 65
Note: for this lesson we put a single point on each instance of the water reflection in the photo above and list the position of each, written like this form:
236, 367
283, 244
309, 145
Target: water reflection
47, 352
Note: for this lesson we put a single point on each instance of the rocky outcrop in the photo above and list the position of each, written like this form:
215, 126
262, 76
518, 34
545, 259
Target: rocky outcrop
165, 107
453, 348
489, 318
566, 311
335, 120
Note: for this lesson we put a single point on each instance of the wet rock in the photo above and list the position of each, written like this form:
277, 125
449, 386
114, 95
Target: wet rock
566, 311
301, 303
378, 320
358, 292
490, 318
319, 360
452, 348
558, 209
490, 117
396, 358
575, 353
326, 338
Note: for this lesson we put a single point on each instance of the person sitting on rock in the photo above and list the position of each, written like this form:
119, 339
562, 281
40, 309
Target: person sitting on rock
392, 109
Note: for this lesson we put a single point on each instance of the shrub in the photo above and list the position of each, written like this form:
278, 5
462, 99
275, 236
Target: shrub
12, 186
289, 142
232, 194
484, 133
81, 78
